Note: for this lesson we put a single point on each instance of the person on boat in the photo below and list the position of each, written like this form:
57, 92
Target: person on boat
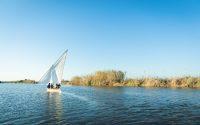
49, 85
57, 86
52, 86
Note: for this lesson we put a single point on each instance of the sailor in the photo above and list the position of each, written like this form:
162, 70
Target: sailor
52, 86
57, 86
49, 85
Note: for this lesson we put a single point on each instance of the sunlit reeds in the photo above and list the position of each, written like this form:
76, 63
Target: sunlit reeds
118, 78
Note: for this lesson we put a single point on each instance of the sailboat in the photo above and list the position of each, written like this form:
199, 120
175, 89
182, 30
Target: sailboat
53, 76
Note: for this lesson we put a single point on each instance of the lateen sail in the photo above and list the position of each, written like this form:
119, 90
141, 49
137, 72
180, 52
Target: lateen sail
55, 73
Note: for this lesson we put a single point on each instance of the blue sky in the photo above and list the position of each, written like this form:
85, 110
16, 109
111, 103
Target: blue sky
141, 37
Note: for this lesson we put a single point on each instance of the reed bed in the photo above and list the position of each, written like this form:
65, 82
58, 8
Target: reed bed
118, 78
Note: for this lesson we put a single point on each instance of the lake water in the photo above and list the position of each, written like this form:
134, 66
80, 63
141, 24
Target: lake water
31, 104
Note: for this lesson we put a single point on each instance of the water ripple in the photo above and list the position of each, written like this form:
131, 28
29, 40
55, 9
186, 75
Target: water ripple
31, 104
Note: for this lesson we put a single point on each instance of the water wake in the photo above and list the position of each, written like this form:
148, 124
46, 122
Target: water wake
82, 98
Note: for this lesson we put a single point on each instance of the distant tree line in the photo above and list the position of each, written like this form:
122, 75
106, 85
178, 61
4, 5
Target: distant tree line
20, 81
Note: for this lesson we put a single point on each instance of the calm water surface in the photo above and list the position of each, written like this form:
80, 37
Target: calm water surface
31, 104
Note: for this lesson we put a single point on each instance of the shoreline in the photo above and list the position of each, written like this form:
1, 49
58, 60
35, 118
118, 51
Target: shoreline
27, 81
110, 86
106, 86
117, 78
115, 86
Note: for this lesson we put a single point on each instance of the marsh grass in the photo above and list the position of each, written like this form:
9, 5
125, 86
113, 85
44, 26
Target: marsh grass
118, 78
100, 78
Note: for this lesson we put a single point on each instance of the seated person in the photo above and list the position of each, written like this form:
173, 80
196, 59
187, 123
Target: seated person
49, 85
52, 86
57, 86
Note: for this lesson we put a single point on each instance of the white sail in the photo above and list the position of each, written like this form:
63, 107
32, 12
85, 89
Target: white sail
46, 77
54, 77
55, 73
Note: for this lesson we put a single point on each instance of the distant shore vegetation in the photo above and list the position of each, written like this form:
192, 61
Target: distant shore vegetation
20, 81
115, 78
118, 78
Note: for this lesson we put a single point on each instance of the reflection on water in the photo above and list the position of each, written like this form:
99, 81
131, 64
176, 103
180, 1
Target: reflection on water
31, 104
54, 107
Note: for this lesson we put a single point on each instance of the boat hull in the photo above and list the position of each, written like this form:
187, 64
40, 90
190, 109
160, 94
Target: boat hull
54, 90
